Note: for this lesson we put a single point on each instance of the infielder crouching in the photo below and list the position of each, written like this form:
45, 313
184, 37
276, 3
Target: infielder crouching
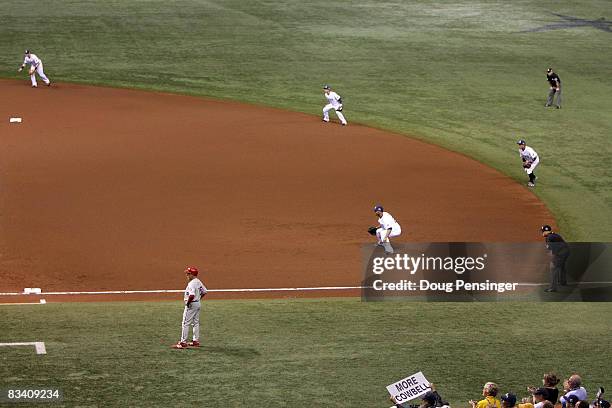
335, 102
194, 292
389, 228
36, 67
530, 161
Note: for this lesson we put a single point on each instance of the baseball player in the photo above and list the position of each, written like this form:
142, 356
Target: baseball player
388, 228
555, 88
36, 67
559, 251
334, 102
191, 315
530, 161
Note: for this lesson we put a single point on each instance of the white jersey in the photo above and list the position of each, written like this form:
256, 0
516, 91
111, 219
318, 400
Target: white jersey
388, 222
196, 288
528, 154
334, 99
33, 60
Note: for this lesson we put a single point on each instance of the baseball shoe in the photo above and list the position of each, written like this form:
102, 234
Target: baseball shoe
550, 290
558, 107
194, 343
34, 86
530, 184
48, 84
326, 121
180, 345
344, 124
547, 106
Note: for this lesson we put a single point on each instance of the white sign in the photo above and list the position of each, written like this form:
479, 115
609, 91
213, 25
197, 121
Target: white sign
409, 388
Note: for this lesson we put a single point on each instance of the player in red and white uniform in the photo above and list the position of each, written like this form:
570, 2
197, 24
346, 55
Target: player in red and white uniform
36, 67
194, 292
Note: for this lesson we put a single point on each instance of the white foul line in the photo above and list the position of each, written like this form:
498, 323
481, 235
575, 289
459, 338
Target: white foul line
122, 292
38, 345
302, 289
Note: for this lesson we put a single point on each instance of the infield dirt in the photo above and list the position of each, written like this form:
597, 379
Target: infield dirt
113, 189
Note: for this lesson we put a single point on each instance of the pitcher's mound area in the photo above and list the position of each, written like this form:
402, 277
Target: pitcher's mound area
110, 189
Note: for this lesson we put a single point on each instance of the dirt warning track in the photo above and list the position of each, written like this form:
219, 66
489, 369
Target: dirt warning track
111, 189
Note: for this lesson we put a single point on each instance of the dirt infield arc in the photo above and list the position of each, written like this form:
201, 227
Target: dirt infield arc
112, 189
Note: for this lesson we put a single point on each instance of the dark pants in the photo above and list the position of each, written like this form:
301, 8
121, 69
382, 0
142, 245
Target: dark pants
557, 271
551, 97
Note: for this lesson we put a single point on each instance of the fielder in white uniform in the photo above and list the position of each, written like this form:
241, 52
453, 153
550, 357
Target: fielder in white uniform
530, 161
36, 67
334, 102
194, 292
389, 228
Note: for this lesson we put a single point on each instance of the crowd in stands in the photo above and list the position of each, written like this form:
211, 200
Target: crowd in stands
573, 395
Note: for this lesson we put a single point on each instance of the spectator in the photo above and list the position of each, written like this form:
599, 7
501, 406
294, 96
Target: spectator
582, 404
489, 392
547, 404
539, 397
572, 401
550, 382
508, 400
573, 386
430, 399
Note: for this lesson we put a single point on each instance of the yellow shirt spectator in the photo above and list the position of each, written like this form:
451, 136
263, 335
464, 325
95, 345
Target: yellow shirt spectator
489, 402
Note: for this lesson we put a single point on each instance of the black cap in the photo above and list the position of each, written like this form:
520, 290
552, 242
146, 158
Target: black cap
546, 228
540, 391
521, 142
509, 398
604, 404
27, 52
326, 87
573, 399
549, 70
429, 396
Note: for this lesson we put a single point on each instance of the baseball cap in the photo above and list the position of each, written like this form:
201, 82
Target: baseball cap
604, 404
429, 396
546, 228
549, 70
540, 391
326, 87
509, 398
192, 270
378, 208
573, 399
521, 142
27, 52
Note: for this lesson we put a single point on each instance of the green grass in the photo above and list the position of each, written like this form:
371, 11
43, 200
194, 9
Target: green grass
457, 73
267, 353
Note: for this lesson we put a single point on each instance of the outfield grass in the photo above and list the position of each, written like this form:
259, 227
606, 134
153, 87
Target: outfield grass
461, 74
325, 353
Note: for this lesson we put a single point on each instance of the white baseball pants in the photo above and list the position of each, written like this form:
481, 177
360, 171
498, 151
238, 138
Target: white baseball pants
530, 170
383, 235
326, 110
191, 317
41, 74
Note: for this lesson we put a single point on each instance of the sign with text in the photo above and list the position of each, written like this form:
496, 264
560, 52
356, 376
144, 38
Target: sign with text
409, 388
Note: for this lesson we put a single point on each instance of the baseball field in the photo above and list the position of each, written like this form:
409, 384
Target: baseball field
180, 133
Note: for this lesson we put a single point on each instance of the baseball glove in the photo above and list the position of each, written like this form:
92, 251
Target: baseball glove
32, 70
372, 230
526, 164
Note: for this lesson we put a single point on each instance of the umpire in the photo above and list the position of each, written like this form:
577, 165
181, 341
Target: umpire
555, 88
559, 253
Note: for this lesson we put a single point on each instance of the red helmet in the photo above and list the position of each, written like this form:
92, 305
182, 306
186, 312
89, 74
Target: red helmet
192, 270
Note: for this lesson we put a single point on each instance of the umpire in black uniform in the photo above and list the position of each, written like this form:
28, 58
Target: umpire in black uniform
559, 253
555, 88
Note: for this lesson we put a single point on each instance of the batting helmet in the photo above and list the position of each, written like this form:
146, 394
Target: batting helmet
546, 228
192, 270
521, 142
378, 208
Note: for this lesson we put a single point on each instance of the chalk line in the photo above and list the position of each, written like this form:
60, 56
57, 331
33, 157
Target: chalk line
39, 346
